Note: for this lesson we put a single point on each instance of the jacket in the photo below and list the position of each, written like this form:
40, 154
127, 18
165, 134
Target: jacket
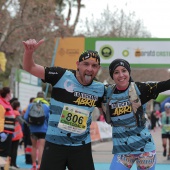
9, 117
18, 134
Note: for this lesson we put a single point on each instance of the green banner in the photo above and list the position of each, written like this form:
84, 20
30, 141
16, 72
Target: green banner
139, 52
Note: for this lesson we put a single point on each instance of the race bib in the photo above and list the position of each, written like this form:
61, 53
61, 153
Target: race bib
73, 119
167, 127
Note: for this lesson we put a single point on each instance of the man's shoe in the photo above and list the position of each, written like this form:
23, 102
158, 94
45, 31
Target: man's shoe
168, 158
28, 162
17, 167
164, 153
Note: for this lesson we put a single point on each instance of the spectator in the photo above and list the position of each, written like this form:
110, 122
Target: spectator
7, 123
17, 135
165, 120
27, 137
158, 117
38, 132
154, 120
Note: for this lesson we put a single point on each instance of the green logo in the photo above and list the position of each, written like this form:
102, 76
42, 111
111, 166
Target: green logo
125, 53
106, 51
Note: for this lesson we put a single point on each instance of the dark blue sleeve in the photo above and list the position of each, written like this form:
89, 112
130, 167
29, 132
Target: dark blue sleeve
47, 111
151, 90
53, 74
27, 111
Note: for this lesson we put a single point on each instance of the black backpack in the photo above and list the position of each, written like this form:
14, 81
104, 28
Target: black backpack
36, 115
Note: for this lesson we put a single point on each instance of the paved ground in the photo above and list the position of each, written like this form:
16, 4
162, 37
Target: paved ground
102, 152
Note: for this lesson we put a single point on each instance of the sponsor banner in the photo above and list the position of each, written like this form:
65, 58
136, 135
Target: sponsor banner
27, 78
68, 52
26, 86
25, 92
140, 52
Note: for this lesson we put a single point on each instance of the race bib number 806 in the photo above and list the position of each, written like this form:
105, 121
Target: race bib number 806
73, 119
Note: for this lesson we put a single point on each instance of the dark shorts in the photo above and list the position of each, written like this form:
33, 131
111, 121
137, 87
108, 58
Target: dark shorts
166, 136
38, 135
74, 157
5, 147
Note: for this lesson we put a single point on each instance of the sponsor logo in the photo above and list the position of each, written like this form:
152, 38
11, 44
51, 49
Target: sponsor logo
85, 99
121, 108
50, 72
106, 52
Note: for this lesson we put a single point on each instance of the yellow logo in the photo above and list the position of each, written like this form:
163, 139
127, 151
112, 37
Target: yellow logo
138, 52
87, 102
122, 110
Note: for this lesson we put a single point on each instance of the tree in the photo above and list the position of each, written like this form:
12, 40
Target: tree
114, 24
24, 19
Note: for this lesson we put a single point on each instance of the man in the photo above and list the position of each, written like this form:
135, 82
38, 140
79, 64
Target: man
38, 132
74, 96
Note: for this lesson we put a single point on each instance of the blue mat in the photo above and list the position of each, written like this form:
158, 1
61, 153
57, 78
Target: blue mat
98, 166
21, 162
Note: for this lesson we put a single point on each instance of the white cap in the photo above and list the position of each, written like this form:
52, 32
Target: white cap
167, 105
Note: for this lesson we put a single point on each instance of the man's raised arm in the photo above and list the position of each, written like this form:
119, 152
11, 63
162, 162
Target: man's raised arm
28, 63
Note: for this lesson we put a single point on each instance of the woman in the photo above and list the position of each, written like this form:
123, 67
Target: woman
154, 119
17, 135
126, 102
7, 122
165, 120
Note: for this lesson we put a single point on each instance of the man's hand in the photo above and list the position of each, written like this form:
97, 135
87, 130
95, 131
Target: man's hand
28, 63
31, 45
